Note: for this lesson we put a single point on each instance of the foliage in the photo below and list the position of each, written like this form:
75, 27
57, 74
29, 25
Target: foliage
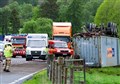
49, 9
74, 13
78, 12
62, 12
33, 2
4, 19
44, 25
41, 25
29, 27
14, 18
89, 10
36, 12
25, 13
109, 11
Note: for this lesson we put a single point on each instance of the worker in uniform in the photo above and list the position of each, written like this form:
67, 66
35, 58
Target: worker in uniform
8, 52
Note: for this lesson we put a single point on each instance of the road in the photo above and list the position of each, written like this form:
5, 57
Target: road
20, 68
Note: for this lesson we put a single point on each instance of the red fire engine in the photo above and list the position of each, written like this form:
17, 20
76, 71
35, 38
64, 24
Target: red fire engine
19, 44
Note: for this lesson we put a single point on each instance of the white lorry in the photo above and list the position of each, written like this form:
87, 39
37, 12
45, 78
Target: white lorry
36, 45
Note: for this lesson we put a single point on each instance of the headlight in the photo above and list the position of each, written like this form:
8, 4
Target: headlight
58, 50
44, 52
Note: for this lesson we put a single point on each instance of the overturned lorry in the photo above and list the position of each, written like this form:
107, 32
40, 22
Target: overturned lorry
98, 48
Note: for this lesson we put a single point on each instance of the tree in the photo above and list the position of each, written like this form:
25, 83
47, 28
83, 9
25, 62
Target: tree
89, 10
26, 13
36, 12
29, 27
74, 13
41, 25
49, 9
15, 21
103, 11
63, 7
44, 25
14, 18
4, 17
109, 11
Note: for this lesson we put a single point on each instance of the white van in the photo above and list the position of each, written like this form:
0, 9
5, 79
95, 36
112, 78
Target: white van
36, 45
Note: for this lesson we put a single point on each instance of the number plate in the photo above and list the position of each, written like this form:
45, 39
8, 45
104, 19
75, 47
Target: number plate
64, 53
35, 57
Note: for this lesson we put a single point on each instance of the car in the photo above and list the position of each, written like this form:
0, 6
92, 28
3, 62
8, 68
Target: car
59, 48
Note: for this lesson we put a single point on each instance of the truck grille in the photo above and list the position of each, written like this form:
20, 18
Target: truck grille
64, 51
36, 53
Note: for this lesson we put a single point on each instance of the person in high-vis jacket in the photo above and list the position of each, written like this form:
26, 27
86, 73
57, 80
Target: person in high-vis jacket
8, 52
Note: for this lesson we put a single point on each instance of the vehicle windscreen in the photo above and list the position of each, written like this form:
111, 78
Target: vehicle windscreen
62, 38
18, 40
60, 45
36, 43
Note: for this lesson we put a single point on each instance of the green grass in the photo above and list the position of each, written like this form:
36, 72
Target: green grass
108, 75
39, 78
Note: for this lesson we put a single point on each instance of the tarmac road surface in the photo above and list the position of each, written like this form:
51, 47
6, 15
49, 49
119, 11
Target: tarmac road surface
20, 68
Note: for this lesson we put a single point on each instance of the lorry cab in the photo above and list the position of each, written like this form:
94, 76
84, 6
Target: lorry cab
62, 31
36, 46
59, 48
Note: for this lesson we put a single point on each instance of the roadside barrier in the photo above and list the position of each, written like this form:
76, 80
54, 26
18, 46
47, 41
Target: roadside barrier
67, 71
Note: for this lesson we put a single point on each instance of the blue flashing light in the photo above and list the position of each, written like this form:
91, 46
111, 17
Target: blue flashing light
29, 36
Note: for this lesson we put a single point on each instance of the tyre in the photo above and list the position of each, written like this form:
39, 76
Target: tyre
27, 59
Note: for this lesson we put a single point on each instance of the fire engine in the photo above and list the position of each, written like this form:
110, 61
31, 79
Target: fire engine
19, 45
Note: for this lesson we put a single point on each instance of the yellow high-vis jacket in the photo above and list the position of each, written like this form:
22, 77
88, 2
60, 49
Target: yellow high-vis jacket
8, 52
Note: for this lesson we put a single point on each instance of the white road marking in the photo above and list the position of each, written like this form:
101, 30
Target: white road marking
19, 81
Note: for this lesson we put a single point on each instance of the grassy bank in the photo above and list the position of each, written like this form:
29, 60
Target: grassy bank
109, 75
39, 78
